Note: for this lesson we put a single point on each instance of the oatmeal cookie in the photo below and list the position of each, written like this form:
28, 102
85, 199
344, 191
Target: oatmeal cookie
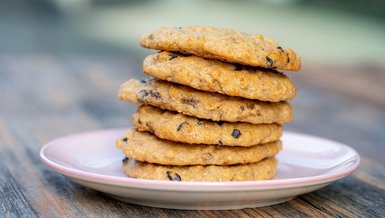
262, 170
223, 44
182, 128
205, 105
143, 146
216, 76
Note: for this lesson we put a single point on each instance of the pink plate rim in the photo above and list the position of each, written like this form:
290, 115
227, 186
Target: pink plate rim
207, 186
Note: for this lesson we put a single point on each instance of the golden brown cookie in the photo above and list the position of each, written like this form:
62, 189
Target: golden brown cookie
143, 146
182, 128
216, 76
225, 45
205, 105
262, 170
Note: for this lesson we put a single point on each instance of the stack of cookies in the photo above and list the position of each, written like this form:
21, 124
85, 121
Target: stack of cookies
214, 110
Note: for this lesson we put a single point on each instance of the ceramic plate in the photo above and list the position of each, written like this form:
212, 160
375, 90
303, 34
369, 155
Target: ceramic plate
306, 163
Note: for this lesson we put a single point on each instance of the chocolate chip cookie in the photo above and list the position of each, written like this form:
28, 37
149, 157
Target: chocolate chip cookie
216, 76
143, 146
182, 128
223, 44
205, 105
262, 170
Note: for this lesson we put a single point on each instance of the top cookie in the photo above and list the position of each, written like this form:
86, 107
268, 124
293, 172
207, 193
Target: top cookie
225, 45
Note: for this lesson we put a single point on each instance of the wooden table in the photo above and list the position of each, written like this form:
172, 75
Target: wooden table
43, 97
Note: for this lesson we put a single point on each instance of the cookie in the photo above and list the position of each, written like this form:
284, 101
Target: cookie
225, 45
182, 128
205, 105
216, 76
145, 147
262, 170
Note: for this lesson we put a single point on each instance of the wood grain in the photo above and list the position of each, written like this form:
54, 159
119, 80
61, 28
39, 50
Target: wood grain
44, 97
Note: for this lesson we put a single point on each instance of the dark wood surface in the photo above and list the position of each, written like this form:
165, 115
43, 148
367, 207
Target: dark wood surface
44, 97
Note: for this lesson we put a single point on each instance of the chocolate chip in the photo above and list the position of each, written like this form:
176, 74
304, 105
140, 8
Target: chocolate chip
220, 142
270, 62
150, 36
125, 159
236, 133
220, 123
250, 106
155, 94
125, 139
139, 121
172, 176
242, 107
200, 122
142, 95
280, 48
180, 126
238, 67
172, 56
288, 58
190, 101
143, 81
143, 92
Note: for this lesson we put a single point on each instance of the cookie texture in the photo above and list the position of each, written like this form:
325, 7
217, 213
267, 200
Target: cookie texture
145, 147
263, 170
216, 76
225, 45
205, 105
182, 128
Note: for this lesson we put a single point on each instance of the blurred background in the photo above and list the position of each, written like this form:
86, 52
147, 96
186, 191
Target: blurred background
62, 61
334, 31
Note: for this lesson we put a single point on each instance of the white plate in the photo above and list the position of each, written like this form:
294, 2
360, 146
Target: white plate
306, 163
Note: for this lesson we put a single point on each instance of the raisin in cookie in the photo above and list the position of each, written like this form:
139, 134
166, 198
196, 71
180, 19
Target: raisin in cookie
225, 45
182, 128
216, 76
262, 170
205, 105
143, 146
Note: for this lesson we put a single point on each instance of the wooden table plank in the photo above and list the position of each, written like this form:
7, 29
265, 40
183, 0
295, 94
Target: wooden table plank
44, 97
364, 80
